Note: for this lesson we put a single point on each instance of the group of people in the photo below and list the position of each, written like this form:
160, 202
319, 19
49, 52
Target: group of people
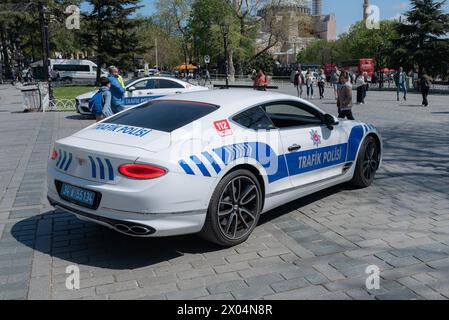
109, 100
299, 80
342, 83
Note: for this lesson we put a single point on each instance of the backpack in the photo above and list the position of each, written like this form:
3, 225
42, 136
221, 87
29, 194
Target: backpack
96, 103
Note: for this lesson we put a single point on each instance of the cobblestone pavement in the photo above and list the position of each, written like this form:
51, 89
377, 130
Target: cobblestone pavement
315, 248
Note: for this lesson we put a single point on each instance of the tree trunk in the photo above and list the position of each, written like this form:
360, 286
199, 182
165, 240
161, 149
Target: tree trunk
5, 51
231, 68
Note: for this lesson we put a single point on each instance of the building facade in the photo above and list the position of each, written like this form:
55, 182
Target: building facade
295, 23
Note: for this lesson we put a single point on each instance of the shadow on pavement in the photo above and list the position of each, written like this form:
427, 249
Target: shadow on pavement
63, 236
80, 117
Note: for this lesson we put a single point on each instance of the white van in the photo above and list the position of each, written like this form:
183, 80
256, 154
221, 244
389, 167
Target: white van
72, 71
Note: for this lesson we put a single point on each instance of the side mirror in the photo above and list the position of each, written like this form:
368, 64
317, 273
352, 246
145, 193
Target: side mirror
330, 121
131, 89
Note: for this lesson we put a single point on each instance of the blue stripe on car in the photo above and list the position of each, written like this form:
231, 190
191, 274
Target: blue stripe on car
186, 167
355, 138
200, 166
63, 160
68, 162
100, 163
279, 167
93, 167
212, 161
110, 169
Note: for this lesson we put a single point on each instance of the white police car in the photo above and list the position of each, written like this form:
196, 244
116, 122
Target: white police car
208, 162
142, 90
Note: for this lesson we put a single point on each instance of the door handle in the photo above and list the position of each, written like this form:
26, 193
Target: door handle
178, 92
294, 147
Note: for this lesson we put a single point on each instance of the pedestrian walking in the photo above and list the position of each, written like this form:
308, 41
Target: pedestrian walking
335, 78
425, 82
261, 81
344, 101
207, 77
117, 91
361, 88
309, 83
298, 82
400, 79
321, 83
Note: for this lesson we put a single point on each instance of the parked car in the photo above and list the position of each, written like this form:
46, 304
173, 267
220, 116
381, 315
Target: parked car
142, 90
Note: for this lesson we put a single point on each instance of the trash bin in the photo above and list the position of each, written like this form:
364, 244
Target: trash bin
31, 98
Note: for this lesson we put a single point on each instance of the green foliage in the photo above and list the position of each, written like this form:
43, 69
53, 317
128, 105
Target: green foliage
169, 46
112, 32
358, 42
263, 61
422, 40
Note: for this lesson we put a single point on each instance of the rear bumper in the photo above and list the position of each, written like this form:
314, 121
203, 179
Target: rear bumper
148, 225
160, 207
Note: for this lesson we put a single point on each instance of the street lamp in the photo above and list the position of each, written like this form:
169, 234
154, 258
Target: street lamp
225, 31
45, 49
379, 65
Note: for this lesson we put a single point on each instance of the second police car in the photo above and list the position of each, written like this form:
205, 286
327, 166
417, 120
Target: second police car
141, 90
208, 162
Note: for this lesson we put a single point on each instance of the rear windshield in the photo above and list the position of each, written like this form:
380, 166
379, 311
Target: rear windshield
163, 115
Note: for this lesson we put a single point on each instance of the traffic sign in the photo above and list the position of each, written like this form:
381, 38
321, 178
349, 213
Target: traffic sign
206, 59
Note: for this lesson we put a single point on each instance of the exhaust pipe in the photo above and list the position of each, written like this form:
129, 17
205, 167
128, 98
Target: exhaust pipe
135, 230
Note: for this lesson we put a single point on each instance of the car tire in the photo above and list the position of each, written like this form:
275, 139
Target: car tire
367, 163
231, 219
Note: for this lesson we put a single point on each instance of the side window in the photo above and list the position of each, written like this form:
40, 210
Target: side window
291, 114
167, 84
141, 85
254, 118
94, 69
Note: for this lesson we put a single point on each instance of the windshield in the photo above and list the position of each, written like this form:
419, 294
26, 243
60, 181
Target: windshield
128, 82
163, 115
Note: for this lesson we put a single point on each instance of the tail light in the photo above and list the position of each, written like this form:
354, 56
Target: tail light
141, 171
53, 153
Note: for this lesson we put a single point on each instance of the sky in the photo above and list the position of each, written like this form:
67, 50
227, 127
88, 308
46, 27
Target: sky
346, 11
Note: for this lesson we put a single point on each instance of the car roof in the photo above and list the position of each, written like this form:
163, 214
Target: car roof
159, 78
231, 101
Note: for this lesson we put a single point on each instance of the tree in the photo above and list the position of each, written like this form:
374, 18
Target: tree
176, 13
263, 61
422, 39
112, 32
20, 30
169, 46
358, 42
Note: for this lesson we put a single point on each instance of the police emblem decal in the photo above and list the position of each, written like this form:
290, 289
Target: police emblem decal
316, 138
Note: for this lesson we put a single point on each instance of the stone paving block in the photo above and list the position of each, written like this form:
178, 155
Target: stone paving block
187, 294
232, 267
288, 285
307, 293
265, 279
226, 286
116, 287
144, 293
329, 272
254, 292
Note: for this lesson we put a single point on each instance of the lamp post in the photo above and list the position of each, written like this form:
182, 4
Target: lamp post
379, 65
225, 32
45, 49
